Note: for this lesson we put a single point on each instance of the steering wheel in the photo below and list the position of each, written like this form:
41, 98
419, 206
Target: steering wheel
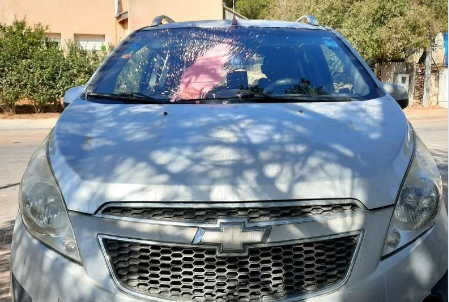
279, 83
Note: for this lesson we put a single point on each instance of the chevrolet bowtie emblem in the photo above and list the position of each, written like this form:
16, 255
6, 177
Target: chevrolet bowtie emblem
231, 237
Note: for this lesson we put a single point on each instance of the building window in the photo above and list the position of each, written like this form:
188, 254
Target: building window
54, 39
91, 42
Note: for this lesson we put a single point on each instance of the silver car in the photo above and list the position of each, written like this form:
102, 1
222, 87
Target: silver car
232, 161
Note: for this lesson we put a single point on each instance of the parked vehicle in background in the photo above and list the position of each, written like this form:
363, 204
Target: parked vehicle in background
223, 161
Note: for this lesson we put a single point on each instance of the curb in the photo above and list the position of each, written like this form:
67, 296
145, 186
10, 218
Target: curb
425, 118
16, 130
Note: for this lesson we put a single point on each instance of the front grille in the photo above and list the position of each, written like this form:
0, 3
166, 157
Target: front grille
210, 215
198, 274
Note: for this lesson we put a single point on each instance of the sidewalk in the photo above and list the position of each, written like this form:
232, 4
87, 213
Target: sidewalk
39, 125
426, 114
27, 125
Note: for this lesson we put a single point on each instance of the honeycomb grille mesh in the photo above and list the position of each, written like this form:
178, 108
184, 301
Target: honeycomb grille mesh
198, 274
210, 215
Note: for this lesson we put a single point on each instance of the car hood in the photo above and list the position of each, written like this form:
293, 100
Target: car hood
237, 152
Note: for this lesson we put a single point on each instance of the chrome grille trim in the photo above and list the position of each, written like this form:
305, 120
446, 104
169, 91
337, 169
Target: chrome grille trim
358, 234
356, 207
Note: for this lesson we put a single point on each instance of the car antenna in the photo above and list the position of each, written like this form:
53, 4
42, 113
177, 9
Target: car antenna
234, 19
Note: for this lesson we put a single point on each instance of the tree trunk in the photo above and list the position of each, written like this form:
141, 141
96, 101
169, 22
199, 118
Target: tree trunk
427, 72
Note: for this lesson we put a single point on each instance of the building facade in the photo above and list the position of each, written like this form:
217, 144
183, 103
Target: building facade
95, 24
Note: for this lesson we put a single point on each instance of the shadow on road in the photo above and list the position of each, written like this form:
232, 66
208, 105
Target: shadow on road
5, 247
9, 186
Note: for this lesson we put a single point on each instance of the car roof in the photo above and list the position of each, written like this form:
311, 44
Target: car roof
240, 23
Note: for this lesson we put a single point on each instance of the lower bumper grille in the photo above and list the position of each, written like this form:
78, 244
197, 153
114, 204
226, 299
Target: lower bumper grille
198, 274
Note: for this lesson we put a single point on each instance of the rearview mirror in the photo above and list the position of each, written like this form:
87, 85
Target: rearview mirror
398, 92
73, 94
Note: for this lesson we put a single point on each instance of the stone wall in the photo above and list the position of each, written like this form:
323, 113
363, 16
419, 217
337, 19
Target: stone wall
395, 72
401, 73
443, 89
434, 85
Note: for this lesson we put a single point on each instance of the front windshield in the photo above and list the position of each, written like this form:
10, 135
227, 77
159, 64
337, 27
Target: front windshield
206, 63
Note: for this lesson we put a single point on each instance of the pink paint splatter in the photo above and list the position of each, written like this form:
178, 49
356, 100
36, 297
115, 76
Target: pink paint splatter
205, 73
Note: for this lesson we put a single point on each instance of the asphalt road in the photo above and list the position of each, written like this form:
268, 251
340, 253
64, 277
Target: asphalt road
17, 148
15, 151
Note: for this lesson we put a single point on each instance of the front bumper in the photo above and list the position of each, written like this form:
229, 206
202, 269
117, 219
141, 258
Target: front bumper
409, 275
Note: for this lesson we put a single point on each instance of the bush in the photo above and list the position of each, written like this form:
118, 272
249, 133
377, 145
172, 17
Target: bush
18, 44
33, 68
80, 65
43, 82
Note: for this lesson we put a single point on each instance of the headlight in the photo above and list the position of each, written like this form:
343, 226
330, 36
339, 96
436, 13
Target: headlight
43, 209
418, 202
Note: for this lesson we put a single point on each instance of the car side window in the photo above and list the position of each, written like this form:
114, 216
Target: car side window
129, 80
347, 79
340, 77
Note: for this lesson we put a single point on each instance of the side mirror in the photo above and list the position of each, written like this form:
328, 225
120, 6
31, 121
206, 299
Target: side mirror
73, 94
398, 92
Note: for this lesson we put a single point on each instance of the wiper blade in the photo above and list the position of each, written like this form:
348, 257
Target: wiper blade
268, 98
221, 100
127, 97
212, 99
252, 97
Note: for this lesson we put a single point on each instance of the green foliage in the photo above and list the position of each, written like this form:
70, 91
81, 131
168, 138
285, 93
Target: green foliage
80, 64
252, 9
18, 43
380, 30
43, 82
34, 68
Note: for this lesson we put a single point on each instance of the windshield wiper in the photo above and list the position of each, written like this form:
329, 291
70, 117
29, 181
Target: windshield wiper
268, 98
212, 99
127, 97
220, 100
258, 97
